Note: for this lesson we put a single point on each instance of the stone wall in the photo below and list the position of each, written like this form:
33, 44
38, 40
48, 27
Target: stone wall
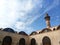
15, 37
53, 35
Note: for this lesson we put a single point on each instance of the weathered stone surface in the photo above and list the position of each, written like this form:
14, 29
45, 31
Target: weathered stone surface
53, 35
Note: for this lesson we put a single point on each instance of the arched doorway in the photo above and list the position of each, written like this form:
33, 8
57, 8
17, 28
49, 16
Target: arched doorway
46, 41
7, 40
33, 41
22, 41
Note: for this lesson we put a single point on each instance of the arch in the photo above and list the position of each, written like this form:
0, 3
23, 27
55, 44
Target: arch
7, 40
46, 30
33, 41
33, 33
58, 27
46, 41
22, 33
22, 41
9, 30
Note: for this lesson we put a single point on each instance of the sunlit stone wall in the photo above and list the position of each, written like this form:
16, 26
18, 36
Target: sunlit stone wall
53, 35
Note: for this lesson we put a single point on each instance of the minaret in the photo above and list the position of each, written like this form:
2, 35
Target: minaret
47, 18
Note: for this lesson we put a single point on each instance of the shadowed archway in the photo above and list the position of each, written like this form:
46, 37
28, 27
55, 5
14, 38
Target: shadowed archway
22, 41
46, 41
7, 40
33, 41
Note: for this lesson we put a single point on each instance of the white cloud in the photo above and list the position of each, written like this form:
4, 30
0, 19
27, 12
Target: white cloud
7, 13
20, 25
25, 19
13, 10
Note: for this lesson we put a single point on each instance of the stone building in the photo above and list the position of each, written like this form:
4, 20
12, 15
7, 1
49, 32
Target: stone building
47, 36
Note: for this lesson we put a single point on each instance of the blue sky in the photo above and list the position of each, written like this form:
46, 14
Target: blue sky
28, 15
